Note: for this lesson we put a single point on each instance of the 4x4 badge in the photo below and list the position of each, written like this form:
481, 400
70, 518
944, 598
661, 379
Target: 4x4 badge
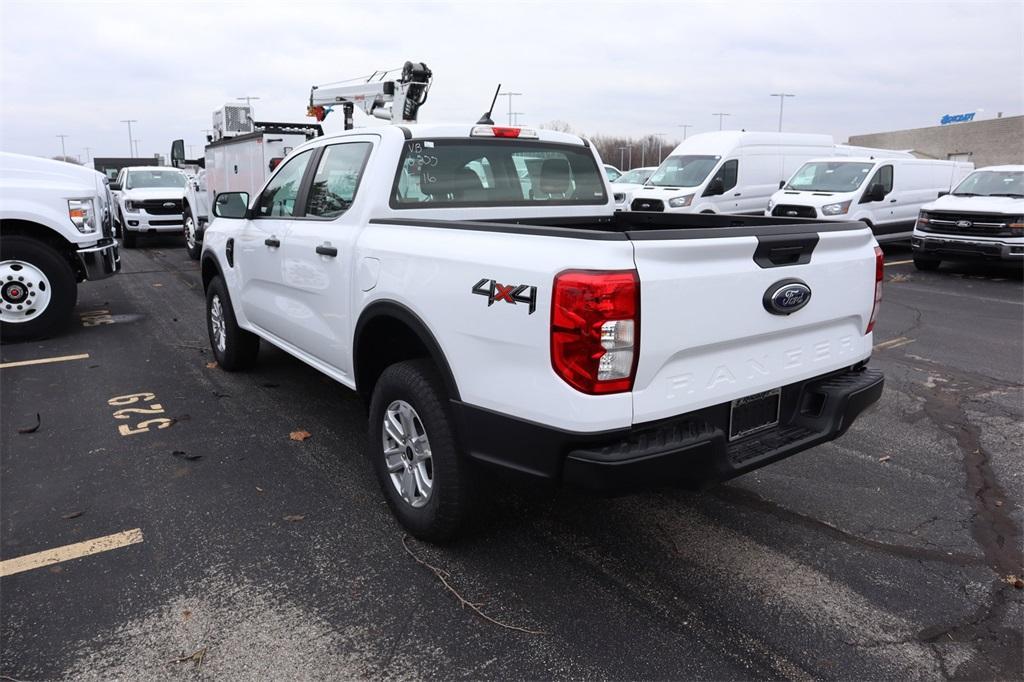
510, 293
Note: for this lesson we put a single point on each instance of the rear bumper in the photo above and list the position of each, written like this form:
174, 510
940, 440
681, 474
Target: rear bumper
950, 246
98, 262
691, 449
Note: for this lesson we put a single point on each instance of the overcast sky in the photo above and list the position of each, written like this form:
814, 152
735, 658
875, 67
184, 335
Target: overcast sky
619, 68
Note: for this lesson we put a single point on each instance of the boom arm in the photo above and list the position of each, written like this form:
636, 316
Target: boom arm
398, 101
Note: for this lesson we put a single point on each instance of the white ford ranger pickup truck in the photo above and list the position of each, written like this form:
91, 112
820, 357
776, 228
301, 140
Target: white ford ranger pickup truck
477, 287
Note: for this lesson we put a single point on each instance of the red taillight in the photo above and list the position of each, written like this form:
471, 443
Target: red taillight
595, 329
879, 273
505, 132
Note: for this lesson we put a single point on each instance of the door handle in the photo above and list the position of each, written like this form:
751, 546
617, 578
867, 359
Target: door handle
272, 241
892, 201
327, 251
737, 194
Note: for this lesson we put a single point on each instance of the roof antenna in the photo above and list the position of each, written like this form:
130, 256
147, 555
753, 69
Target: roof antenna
485, 120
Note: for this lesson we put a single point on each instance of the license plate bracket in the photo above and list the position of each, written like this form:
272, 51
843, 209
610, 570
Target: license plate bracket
754, 413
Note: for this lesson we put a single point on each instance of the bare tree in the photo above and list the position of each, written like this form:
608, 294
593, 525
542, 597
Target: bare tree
67, 159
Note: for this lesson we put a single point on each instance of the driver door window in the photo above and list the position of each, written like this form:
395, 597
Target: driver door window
727, 174
883, 178
278, 199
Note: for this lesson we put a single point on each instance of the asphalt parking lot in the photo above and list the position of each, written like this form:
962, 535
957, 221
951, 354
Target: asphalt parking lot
234, 551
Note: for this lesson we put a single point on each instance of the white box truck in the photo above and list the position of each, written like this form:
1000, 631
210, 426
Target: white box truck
886, 194
734, 171
239, 157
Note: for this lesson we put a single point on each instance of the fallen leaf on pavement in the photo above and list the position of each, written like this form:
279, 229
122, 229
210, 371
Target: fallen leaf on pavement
884, 459
299, 435
259, 489
294, 517
900, 278
157, 284
211, 365
181, 454
32, 429
72, 515
1015, 581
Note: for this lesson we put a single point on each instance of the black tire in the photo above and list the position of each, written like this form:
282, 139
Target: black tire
450, 502
63, 288
926, 264
241, 347
130, 239
196, 247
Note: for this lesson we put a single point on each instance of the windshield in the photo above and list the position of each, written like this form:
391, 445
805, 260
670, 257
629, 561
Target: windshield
612, 174
637, 176
683, 171
992, 184
155, 178
454, 172
830, 176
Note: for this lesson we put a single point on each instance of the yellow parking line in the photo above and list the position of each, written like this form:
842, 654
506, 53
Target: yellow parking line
44, 361
69, 552
900, 262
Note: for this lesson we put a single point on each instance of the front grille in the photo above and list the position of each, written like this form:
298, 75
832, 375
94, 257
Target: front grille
165, 222
647, 205
157, 207
790, 211
981, 224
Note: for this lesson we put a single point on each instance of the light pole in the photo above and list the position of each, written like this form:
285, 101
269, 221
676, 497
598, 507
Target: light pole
515, 117
684, 126
782, 98
248, 102
88, 156
63, 154
629, 151
721, 117
510, 95
136, 149
130, 122
661, 140
622, 157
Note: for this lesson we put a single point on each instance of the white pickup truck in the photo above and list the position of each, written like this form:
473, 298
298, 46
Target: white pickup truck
56, 230
477, 287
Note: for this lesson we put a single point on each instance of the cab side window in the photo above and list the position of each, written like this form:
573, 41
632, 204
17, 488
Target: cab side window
337, 179
883, 178
278, 199
727, 175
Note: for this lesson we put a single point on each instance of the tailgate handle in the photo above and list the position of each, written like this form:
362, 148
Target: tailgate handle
779, 250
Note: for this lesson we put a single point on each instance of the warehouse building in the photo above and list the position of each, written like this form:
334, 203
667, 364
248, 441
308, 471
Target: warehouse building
989, 142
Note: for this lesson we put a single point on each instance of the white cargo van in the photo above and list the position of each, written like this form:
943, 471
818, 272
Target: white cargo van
885, 193
733, 171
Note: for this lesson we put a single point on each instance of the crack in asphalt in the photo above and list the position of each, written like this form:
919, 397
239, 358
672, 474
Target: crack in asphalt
754, 501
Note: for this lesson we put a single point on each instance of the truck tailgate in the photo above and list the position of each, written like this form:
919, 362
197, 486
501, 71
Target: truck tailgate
706, 335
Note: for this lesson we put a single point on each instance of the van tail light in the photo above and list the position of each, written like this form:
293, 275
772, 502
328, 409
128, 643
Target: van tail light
879, 272
595, 329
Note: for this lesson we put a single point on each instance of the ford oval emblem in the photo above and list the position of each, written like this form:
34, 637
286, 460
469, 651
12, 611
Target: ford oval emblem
168, 204
786, 297
964, 223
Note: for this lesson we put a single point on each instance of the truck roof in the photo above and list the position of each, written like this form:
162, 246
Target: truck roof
156, 168
439, 130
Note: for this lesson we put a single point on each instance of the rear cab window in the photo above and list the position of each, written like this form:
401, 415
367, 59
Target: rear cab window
448, 173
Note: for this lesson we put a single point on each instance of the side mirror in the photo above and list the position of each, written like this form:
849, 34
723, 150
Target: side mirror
115, 187
716, 186
782, 183
231, 205
177, 153
942, 194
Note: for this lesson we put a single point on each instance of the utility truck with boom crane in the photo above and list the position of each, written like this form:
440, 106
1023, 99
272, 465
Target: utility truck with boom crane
474, 283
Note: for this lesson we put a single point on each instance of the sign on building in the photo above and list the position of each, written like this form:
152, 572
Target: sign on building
957, 118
